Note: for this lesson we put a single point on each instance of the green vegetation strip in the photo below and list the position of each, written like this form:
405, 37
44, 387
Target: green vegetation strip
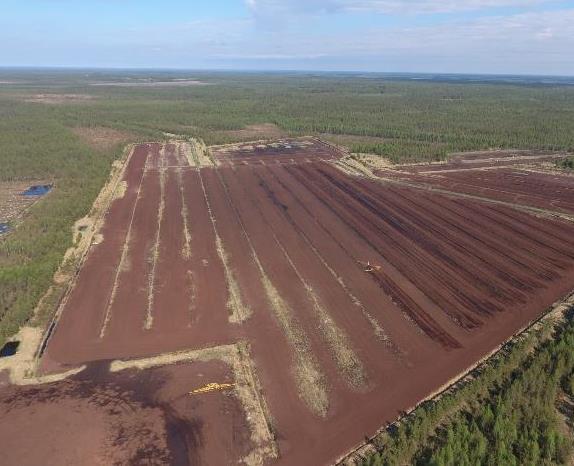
567, 164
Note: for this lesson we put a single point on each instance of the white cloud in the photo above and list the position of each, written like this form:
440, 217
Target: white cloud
275, 7
534, 42
539, 43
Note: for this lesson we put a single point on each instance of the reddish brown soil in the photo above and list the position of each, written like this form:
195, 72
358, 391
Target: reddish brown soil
130, 417
504, 177
446, 280
174, 280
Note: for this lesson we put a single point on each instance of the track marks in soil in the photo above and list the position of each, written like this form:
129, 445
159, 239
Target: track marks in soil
238, 310
507, 184
190, 156
337, 340
444, 246
508, 267
347, 360
186, 251
461, 302
124, 256
360, 224
180, 155
311, 382
197, 154
309, 378
154, 256
376, 326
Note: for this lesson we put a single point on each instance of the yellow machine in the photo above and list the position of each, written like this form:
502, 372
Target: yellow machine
212, 387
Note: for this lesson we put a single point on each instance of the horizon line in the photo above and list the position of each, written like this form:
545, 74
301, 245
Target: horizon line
275, 71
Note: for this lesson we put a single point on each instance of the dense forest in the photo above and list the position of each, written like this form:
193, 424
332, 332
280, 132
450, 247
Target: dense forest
404, 120
508, 415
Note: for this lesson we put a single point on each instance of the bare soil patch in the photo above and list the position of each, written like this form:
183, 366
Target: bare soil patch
59, 99
174, 83
260, 131
135, 417
245, 387
102, 138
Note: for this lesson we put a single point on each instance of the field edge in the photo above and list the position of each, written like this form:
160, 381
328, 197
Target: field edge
552, 316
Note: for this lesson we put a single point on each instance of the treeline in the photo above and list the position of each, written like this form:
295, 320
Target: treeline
509, 415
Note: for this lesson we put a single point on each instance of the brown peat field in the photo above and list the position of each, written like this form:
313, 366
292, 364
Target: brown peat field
278, 302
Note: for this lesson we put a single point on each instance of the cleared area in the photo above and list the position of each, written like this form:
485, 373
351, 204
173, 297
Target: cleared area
523, 178
135, 417
281, 151
356, 297
152, 83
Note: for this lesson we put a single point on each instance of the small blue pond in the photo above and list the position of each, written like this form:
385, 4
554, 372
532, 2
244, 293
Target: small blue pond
4, 228
37, 190
9, 349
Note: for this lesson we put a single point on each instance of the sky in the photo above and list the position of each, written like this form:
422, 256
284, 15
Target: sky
437, 36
